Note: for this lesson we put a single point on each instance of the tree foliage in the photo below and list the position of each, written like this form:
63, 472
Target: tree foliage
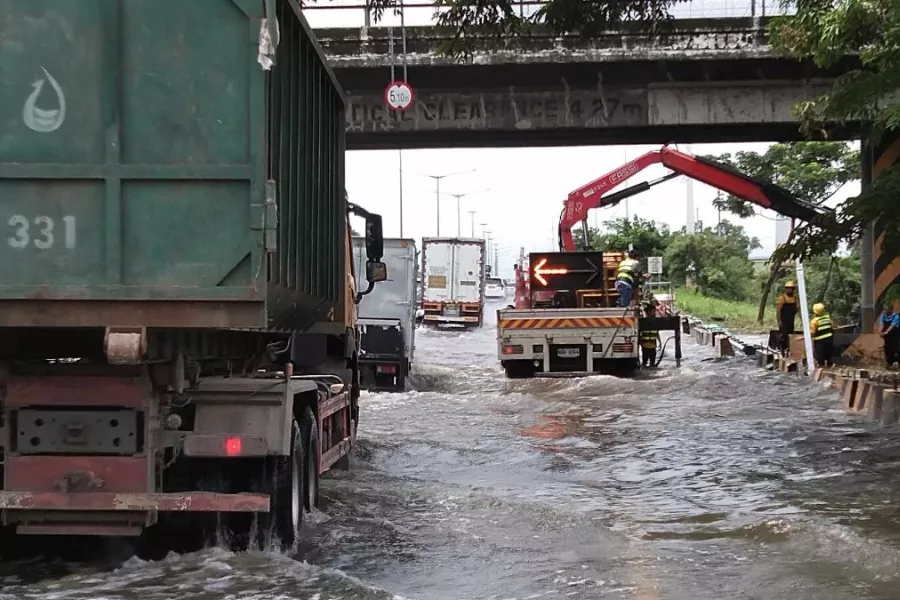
812, 171
644, 235
468, 20
717, 260
827, 31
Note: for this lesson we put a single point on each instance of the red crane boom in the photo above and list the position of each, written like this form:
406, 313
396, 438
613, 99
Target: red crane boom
761, 193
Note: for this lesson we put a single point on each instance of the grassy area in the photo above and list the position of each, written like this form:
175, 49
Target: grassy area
737, 316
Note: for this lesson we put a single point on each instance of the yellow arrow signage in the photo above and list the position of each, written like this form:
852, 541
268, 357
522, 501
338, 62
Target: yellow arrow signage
540, 271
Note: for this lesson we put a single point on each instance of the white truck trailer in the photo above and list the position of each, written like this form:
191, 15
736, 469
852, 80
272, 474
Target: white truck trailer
387, 317
454, 275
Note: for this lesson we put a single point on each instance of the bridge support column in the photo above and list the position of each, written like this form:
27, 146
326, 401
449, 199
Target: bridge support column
867, 249
886, 260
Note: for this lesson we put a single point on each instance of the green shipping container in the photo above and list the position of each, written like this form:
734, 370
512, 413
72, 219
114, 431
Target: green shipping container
143, 152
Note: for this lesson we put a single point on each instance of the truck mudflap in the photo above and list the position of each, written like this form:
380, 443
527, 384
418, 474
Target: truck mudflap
133, 502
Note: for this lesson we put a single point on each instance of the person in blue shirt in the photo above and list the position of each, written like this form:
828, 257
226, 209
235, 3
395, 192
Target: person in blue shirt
890, 331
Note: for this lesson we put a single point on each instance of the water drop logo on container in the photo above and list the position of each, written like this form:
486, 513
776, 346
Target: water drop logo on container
43, 120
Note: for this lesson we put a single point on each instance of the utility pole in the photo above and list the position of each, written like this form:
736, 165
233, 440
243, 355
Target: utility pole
472, 215
400, 156
689, 192
487, 250
437, 192
458, 205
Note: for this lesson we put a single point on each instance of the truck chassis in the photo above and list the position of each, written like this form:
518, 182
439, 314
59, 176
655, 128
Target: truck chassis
93, 448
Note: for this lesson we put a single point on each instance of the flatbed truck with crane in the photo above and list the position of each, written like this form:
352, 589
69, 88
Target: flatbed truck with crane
565, 321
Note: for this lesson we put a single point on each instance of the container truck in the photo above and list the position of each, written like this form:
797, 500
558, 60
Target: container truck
387, 317
177, 295
454, 274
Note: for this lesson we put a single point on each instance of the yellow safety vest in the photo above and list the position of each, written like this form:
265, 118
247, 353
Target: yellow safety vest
648, 339
823, 327
626, 270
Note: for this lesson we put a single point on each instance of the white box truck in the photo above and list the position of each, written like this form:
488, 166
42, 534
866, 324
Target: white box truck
387, 317
454, 272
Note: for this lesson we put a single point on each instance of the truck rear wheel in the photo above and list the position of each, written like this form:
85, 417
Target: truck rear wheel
518, 369
284, 480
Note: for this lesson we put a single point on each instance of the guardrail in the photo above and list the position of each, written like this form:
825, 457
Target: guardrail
359, 13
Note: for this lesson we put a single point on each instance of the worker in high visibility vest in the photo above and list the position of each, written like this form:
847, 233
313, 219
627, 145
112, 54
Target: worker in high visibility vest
785, 314
649, 341
627, 277
820, 328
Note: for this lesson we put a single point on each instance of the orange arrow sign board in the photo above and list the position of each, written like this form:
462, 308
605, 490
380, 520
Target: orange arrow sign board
540, 271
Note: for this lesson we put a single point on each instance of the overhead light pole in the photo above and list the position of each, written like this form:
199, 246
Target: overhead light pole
472, 215
437, 192
458, 205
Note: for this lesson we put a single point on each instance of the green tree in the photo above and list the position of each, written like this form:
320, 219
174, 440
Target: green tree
812, 171
718, 259
643, 235
506, 20
828, 31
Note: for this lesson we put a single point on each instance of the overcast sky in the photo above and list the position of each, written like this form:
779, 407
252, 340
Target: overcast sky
526, 186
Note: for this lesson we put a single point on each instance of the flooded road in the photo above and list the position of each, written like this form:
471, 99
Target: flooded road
714, 481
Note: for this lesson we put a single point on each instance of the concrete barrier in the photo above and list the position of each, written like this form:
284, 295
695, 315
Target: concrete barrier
890, 409
849, 393
723, 346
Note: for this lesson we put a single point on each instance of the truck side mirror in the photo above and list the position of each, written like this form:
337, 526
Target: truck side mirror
375, 271
374, 240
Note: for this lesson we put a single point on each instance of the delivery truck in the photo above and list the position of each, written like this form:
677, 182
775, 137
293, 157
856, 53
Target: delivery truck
387, 317
453, 272
177, 295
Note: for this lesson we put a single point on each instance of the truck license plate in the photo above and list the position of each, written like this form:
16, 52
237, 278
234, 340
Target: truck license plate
451, 312
568, 352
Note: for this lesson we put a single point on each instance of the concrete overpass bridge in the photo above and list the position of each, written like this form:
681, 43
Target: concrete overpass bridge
705, 80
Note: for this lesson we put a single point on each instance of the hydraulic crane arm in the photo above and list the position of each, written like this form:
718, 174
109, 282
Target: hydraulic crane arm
762, 193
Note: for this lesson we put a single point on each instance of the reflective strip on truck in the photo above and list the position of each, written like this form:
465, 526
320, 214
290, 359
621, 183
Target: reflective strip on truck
567, 322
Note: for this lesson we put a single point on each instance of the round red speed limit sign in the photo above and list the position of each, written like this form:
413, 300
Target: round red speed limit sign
399, 95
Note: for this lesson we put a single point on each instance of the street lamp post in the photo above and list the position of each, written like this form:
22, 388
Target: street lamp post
437, 192
472, 215
459, 204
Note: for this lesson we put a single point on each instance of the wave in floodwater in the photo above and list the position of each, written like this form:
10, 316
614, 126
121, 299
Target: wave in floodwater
714, 480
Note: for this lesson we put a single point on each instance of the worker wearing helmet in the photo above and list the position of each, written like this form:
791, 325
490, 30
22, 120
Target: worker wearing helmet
786, 314
627, 277
649, 339
823, 336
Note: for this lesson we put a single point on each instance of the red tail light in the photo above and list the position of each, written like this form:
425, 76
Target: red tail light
233, 446
391, 369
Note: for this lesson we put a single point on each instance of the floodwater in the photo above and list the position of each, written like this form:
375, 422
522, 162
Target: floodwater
714, 481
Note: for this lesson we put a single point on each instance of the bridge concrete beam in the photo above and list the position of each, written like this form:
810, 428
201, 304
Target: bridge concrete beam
564, 116
696, 39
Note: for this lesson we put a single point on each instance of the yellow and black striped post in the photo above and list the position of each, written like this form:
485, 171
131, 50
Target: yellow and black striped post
886, 271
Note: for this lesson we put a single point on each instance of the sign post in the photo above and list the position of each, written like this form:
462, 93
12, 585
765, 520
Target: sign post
654, 265
399, 95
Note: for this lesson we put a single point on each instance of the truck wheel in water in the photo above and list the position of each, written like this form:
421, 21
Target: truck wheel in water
284, 480
518, 369
312, 449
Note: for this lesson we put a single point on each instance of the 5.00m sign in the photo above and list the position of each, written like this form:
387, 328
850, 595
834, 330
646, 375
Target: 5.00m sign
502, 111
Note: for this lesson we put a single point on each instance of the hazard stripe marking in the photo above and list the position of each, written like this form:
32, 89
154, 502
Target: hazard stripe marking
581, 322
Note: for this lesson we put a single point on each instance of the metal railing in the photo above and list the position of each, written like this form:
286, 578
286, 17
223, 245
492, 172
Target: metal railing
358, 13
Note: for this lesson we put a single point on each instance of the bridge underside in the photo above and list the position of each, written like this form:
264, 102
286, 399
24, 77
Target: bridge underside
610, 97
